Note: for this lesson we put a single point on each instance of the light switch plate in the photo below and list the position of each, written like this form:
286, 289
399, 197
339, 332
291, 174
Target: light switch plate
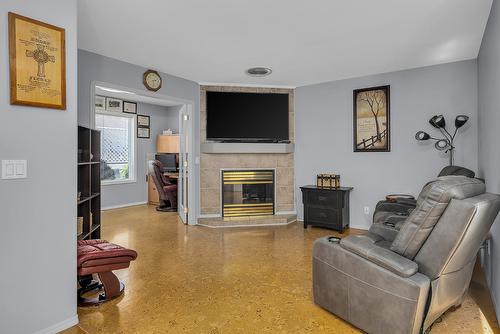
14, 169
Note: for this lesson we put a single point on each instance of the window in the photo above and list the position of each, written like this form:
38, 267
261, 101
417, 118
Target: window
117, 147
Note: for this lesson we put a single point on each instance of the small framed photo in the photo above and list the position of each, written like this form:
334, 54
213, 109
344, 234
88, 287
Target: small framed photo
114, 105
143, 132
129, 107
100, 103
143, 121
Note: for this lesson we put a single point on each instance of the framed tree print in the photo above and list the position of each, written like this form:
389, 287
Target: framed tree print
37, 63
372, 131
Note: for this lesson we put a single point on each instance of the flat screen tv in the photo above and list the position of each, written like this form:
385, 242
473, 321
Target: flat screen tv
247, 117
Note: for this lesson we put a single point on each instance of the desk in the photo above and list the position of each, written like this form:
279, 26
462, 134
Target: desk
153, 197
172, 175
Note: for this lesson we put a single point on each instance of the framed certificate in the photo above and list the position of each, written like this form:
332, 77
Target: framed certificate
143, 132
143, 121
37, 63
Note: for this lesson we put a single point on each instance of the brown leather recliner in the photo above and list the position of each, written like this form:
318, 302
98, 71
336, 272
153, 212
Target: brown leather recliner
167, 191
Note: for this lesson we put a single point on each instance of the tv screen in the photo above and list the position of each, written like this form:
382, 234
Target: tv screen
247, 116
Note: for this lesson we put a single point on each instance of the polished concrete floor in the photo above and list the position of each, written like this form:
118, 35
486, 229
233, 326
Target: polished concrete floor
202, 280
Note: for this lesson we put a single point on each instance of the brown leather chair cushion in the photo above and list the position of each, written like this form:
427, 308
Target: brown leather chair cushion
95, 256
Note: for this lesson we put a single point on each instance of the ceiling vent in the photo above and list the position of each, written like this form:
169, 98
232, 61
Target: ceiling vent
258, 71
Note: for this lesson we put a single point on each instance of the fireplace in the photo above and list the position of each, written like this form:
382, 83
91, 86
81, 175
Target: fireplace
247, 193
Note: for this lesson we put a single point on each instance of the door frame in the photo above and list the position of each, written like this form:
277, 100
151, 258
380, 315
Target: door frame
186, 105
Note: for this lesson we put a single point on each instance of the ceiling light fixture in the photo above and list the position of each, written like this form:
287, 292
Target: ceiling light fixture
258, 71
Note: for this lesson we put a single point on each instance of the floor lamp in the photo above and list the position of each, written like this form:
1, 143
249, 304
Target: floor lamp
446, 143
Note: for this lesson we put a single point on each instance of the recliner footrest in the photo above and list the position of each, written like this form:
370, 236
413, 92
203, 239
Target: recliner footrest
101, 257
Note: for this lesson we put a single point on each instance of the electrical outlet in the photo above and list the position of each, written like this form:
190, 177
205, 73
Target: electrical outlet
367, 210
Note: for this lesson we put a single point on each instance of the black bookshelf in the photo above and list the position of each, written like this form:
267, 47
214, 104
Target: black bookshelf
89, 182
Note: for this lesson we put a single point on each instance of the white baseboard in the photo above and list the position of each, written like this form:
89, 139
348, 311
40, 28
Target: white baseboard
123, 205
56, 328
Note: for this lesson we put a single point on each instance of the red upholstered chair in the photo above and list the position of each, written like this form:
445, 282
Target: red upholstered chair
101, 257
167, 191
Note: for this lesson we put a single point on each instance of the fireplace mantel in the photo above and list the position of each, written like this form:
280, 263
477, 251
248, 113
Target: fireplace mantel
279, 148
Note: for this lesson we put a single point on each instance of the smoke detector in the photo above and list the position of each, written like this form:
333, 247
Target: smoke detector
258, 71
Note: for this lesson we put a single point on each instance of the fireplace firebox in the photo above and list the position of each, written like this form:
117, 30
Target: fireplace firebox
247, 193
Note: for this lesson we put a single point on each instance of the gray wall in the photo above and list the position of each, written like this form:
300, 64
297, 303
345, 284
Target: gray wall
324, 126
161, 118
38, 214
489, 122
94, 67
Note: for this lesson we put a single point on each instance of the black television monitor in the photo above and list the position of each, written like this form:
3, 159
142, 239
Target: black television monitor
247, 116
168, 160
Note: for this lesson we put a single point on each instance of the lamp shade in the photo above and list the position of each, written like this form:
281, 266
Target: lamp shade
421, 135
438, 121
461, 120
167, 144
442, 145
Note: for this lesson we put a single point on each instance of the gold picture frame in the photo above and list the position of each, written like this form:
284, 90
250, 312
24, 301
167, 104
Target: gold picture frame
37, 55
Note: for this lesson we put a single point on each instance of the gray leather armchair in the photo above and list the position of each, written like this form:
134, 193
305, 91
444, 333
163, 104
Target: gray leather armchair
386, 283
390, 214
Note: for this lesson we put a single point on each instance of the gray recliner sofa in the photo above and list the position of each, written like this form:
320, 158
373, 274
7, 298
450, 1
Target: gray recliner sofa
401, 283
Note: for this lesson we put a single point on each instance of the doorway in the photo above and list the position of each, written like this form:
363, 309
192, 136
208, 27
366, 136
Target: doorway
184, 110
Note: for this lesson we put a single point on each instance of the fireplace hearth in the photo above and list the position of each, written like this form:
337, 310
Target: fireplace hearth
247, 192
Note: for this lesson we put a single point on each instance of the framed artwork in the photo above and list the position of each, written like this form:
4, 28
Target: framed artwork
143, 121
371, 130
100, 103
143, 132
114, 105
129, 107
37, 63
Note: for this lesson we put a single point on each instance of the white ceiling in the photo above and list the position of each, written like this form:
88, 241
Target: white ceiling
304, 42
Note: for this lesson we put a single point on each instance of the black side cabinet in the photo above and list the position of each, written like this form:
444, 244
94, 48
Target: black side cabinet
326, 207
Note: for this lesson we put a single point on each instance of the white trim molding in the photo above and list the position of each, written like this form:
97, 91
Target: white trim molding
60, 326
126, 205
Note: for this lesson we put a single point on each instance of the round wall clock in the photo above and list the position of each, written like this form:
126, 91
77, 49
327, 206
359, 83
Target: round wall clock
152, 80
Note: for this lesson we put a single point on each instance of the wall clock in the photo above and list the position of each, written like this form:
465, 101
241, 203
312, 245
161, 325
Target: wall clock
152, 80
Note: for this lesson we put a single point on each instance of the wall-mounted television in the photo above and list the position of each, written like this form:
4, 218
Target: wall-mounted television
247, 117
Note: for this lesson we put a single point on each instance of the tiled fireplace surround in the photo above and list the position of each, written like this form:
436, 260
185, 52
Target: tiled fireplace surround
213, 163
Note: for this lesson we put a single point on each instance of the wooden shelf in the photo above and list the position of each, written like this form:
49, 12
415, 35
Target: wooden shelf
89, 182
88, 163
84, 199
93, 228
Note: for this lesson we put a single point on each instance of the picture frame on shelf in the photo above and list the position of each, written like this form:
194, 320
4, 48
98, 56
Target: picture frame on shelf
143, 132
114, 105
129, 107
143, 121
371, 119
100, 103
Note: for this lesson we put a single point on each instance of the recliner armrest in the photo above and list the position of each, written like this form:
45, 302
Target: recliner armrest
383, 257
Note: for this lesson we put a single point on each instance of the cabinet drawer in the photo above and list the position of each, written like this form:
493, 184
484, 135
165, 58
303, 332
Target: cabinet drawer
325, 199
324, 216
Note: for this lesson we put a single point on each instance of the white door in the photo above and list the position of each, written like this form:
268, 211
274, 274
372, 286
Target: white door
184, 157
